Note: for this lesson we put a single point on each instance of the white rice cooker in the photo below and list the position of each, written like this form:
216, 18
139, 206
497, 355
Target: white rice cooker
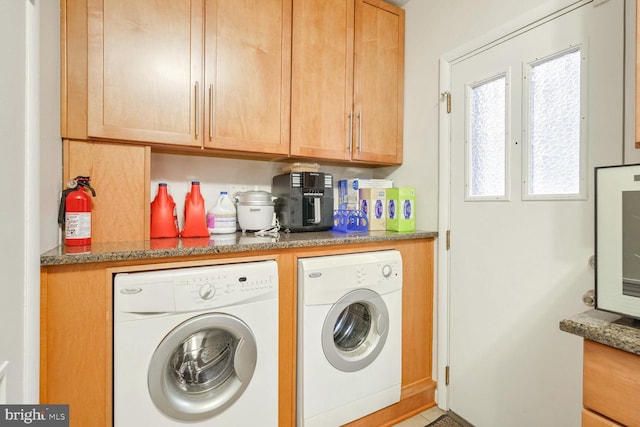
255, 210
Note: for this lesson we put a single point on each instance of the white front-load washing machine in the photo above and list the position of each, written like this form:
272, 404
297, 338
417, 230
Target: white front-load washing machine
349, 336
196, 346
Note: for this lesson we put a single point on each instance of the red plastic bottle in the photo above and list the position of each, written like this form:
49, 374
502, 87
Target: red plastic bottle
77, 218
195, 219
163, 214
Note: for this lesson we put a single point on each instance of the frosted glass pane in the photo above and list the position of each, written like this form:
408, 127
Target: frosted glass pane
554, 126
487, 139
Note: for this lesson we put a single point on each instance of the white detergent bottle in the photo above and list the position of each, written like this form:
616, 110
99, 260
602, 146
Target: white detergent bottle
221, 219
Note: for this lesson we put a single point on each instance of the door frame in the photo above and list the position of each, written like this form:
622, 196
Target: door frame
535, 17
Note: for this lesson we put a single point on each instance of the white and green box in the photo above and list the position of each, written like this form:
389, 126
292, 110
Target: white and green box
401, 212
373, 202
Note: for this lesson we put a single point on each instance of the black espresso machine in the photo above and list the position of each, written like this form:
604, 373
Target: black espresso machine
304, 201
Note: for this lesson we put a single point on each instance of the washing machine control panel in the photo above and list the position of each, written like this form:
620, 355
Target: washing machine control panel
386, 270
208, 289
370, 274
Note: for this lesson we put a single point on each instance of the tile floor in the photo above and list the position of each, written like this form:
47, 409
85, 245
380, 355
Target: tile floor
422, 419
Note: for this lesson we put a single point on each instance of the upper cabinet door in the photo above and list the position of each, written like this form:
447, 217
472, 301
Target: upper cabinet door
379, 82
322, 79
145, 70
248, 71
347, 80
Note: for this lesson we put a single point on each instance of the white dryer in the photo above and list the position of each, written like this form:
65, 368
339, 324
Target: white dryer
349, 336
196, 346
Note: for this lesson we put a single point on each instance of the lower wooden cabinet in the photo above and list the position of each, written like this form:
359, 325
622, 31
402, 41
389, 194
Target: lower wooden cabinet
76, 329
75, 342
611, 386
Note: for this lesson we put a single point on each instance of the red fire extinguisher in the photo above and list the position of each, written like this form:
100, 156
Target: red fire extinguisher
75, 212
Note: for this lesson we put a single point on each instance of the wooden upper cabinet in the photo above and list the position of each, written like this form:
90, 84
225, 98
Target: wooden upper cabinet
322, 78
248, 73
145, 70
378, 82
212, 73
347, 80
316, 79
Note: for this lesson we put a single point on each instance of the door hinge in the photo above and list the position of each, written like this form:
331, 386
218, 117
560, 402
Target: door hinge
448, 239
446, 375
447, 96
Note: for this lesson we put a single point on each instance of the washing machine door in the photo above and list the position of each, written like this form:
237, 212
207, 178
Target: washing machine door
355, 330
202, 366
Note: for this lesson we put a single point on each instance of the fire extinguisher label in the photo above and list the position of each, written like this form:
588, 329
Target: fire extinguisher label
78, 225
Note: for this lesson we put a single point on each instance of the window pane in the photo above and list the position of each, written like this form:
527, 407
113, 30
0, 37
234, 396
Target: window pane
487, 139
554, 126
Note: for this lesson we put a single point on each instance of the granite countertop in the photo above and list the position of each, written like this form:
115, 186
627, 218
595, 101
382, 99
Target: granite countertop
605, 328
215, 244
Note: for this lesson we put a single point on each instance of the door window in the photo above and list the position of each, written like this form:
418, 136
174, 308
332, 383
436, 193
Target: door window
553, 122
555, 155
487, 139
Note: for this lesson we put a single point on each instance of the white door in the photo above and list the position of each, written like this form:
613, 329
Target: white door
531, 117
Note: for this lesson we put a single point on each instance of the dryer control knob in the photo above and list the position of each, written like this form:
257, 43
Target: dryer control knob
207, 291
386, 270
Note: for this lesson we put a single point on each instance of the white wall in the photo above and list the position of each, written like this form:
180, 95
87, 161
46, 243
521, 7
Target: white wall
19, 171
231, 175
631, 154
50, 141
12, 116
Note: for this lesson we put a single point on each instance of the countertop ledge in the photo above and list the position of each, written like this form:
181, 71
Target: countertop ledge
605, 328
215, 244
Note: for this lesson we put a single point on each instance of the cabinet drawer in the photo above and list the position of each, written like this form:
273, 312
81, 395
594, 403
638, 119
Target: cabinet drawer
611, 383
591, 419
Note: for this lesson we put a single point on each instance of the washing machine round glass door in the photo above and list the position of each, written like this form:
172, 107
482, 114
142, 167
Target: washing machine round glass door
202, 366
355, 330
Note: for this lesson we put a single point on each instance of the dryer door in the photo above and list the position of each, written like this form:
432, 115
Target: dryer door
355, 330
202, 366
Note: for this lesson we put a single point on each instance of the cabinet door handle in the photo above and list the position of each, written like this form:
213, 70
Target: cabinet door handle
349, 142
359, 130
211, 111
197, 109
